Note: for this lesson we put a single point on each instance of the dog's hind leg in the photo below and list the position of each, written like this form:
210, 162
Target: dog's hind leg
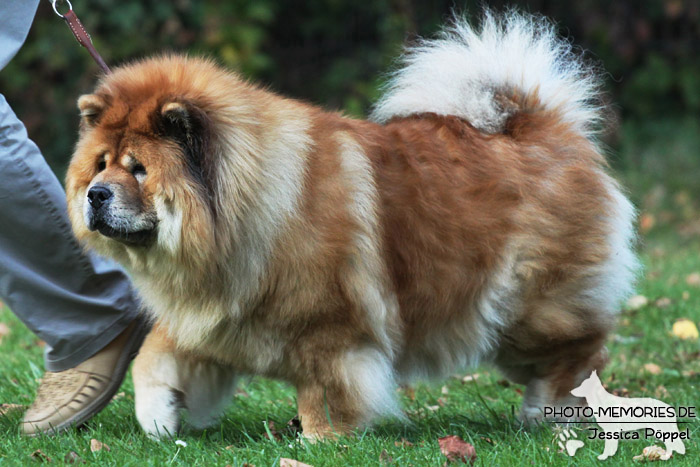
209, 389
554, 379
552, 383
351, 390
550, 367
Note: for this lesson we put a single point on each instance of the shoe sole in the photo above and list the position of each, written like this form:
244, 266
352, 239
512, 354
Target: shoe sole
80, 418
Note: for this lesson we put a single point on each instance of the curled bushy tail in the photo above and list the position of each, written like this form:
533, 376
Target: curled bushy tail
467, 72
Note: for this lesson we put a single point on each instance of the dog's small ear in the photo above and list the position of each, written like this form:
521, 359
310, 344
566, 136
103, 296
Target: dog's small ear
189, 126
177, 120
186, 123
91, 107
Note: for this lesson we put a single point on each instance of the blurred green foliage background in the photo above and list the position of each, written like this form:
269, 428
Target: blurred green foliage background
335, 53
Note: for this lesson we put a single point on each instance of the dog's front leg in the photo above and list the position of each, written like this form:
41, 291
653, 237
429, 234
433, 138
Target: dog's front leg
157, 386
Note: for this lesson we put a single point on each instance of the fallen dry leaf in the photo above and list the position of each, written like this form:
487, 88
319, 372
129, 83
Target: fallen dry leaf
658, 252
284, 462
637, 302
646, 222
403, 443
652, 368
693, 279
385, 457
470, 378
4, 330
456, 449
294, 427
652, 453
409, 391
622, 392
625, 339
96, 445
685, 329
272, 431
39, 456
9, 408
682, 198
663, 302
661, 392
73, 458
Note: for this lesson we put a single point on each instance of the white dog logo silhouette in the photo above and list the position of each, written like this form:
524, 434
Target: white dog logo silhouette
617, 415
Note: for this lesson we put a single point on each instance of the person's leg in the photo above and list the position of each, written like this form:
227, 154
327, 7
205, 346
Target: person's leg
75, 301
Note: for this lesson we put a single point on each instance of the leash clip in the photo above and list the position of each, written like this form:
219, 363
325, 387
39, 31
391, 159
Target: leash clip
53, 4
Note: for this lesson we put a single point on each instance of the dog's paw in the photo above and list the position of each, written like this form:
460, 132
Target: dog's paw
158, 412
531, 416
568, 442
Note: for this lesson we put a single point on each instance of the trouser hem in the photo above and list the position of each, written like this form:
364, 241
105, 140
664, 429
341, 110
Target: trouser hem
93, 346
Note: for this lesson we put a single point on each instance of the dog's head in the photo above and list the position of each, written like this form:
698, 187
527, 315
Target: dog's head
145, 173
120, 165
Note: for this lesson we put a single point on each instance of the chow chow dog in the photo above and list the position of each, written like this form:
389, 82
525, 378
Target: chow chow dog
471, 219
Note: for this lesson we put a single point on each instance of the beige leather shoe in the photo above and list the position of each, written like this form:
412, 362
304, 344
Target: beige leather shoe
71, 397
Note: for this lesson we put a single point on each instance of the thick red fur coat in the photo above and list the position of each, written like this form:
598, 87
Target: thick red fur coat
473, 220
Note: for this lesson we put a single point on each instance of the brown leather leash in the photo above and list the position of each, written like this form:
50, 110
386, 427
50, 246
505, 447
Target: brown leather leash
81, 35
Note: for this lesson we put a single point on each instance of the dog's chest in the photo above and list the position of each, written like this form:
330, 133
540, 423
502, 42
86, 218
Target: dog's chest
246, 344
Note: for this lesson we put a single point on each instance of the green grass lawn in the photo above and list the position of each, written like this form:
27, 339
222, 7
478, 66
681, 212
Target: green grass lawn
481, 412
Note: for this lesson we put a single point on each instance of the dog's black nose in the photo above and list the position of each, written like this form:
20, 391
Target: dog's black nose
98, 195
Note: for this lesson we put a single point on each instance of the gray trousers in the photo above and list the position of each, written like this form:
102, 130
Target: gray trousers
76, 302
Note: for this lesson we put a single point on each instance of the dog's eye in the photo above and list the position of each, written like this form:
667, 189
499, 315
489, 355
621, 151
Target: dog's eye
101, 165
138, 169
